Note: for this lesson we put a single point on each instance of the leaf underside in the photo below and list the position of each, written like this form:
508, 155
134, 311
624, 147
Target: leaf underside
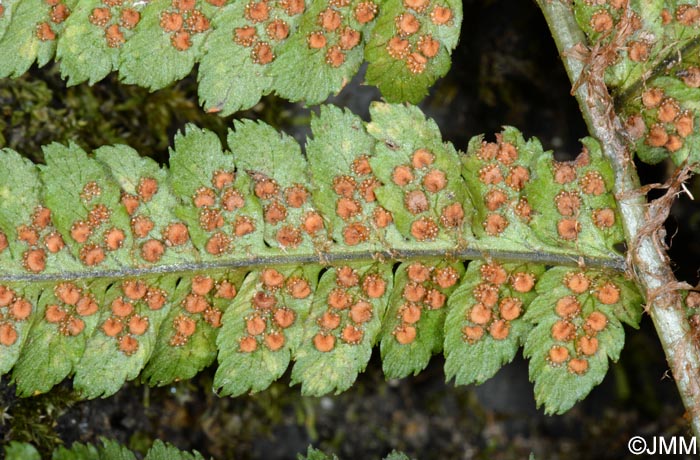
260, 256
654, 72
298, 49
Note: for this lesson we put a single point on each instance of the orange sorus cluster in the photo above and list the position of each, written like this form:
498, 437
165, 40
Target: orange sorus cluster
670, 123
334, 36
115, 17
575, 335
421, 181
216, 203
422, 292
182, 20
40, 236
270, 317
264, 22
125, 325
72, 304
349, 308
568, 200
410, 44
58, 13
354, 190
493, 312
276, 203
13, 308
199, 302
504, 179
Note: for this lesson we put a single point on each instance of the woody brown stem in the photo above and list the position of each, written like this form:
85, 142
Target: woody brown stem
648, 261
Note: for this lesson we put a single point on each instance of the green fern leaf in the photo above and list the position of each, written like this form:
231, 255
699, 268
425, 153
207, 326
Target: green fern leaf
577, 317
113, 266
30, 32
411, 45
241, 51
263, 327
186, 341
413, 324
166, 44
343, 326
328, 46
485, 326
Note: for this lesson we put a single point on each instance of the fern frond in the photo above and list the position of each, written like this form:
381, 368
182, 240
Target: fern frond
113, 265
650, 54
299, 49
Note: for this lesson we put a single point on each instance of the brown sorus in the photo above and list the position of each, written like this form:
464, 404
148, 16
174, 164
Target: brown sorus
567, 307
324, 342
405, 334
274, 341
122, 308
34, 260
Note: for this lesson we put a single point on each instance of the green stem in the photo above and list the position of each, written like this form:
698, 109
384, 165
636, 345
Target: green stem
650, 262
616, 263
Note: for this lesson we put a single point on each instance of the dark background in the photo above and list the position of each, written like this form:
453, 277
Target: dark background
506, 71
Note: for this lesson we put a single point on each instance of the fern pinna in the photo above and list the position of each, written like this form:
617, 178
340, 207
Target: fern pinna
115, 267
302, 50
